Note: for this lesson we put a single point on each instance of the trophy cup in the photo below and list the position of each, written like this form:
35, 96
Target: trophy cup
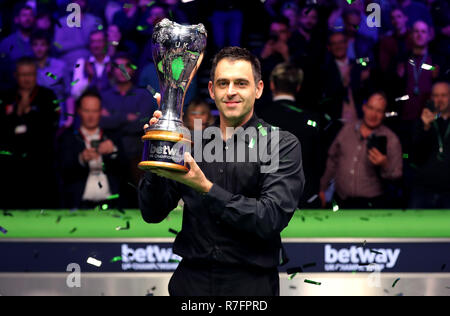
177, 52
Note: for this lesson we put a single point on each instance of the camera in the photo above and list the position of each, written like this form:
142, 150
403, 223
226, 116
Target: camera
95, 144
378, 142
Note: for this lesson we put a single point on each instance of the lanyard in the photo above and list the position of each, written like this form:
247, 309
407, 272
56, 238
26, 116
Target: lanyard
440, 139
417, 73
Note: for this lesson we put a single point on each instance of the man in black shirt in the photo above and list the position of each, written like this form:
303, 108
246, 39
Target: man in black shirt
234, 211
430, 152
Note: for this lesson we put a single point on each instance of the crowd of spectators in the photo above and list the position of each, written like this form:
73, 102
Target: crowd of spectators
365, 91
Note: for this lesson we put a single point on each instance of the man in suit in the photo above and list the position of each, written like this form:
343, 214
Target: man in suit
90, 159
286, 113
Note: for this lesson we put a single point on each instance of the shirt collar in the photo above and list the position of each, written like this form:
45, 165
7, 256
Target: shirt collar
283, 97
104, 61
240, 131
90, 136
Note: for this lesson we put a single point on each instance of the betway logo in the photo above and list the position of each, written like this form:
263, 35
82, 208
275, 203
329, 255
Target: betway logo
152, 257
343, 258
163, 150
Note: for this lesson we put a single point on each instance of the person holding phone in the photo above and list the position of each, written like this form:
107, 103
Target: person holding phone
431, 152
363, 155
90, 159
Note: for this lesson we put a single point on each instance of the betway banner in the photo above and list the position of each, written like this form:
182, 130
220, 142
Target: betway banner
324, 256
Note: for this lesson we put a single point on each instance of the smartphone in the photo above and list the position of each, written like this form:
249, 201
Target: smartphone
95, 143
431, 106
379, 142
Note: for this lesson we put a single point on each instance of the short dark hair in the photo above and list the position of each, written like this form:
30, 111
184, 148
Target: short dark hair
237, 53
98, 31
25, 61
398, 8
333, 33
90, 92
286, 78
40, 35
21, 6
280, 19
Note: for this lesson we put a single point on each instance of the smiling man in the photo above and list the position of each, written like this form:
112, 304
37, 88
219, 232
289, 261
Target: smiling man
234, 212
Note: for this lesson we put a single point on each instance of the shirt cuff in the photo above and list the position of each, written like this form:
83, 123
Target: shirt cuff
216, 199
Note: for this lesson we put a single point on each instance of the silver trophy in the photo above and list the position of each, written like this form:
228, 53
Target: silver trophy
177, 52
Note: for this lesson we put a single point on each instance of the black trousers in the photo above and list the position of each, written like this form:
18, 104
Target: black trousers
195, 279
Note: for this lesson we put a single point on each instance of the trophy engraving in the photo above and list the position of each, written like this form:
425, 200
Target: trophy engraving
178, 51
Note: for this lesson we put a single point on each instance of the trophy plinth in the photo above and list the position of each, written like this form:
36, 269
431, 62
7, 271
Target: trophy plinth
177, 52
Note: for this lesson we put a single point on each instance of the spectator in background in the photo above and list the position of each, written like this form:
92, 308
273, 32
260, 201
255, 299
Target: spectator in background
125, 108
44, 22
198, 110
117, 43
431, 152
128, 18
359, 45
286, 113
72, 42
440, 11
415, 11
397, 42
175, 11
89, 158
18, 44
358, 167
28, 129
52, 73
226, 21
275, 50
345, 83
290, 11
95, 70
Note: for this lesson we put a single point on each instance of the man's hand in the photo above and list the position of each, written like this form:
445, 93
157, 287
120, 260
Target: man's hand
427, 118
195, 178
106, 147
377, 158
89, 154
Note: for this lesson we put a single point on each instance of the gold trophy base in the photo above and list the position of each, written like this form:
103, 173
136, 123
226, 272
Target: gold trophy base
159, 139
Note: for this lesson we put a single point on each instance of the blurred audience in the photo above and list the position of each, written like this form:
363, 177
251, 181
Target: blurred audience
198, 110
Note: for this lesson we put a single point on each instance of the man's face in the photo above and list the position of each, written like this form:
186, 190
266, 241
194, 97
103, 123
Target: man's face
374, 111
40, 48
26, 77
338, 46
398, 19
97, 44
308, 20
118, 74
199, 112
281, 30
421, 34
26, 19
114, 34
44, 23
351, 22
234, 90
90, 112
441, 97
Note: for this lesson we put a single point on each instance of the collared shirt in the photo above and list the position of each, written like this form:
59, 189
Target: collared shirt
348, 163
238, 222
16, 47
92, 191
283, 97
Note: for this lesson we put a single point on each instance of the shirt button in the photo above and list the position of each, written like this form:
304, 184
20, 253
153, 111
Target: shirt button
226, 147
359, 147
352, 171
221, 170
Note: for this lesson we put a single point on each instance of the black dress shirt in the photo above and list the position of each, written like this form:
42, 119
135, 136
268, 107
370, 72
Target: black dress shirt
238, 222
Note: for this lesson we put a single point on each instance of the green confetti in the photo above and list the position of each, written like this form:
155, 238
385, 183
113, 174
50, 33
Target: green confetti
262, 130
50, 75
57, 101
100, 27
134, 67
292, 276
105, 207
116, 259
124, 72
405, 156
335, 206
174, 261
160, 67
74, 82
364, 218
312, 282
177, 67
5, 153
73, 230
57, 45
150, 4
327, 117
113, 197
141, 28
395, 282
312, 123
127, 5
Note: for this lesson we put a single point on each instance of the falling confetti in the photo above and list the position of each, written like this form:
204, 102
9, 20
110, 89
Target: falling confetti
50, 75
5, 153
113, 197
74, 82
427, 67
391, 114
3, 230
312, 123
57, 45
105, 207
292, 276
100, 185
174, 261
395, 282
73, 230
94, 262
116, 259
312, 282
127, 227
124, 71
403, 98
335, 206
58, 219
173, 231
262, 130
364, 218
